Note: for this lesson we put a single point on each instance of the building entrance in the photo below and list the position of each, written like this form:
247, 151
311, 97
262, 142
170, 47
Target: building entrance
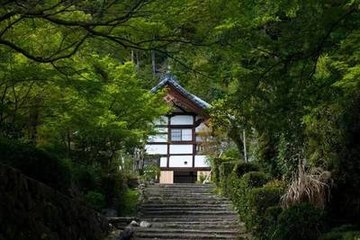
185, 176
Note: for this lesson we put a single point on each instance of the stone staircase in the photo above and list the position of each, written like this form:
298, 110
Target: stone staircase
188, 211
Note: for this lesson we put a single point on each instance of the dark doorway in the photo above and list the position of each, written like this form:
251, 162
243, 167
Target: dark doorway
185, 177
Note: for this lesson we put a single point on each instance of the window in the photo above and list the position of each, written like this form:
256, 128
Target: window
175, 134
186, 134
178, 134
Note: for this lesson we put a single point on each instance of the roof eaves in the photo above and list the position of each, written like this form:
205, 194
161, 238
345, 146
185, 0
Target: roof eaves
171, 80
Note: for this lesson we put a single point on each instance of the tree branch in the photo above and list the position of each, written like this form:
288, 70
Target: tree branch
42, 59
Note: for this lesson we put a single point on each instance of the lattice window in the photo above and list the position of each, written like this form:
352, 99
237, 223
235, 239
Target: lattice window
175, 134
178, 134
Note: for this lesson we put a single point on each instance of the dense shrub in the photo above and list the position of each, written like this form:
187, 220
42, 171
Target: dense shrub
132, 181
345, 232
229, 186
299, 222
36, 163
259, 201
255, 179
245, 167
237, 188
95, 200
277, 183
113, 185
129, 203
226, 168
254, 198
249, 204
268, 226
215, 166
86, 177
151, 173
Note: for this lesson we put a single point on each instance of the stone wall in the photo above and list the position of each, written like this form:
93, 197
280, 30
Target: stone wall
32, 210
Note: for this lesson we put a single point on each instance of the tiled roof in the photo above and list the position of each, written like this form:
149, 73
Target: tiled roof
169, 79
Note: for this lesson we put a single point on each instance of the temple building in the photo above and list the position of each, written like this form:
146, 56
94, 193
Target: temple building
178, 144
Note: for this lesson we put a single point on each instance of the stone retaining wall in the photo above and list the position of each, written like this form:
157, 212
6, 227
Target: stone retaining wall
32, 210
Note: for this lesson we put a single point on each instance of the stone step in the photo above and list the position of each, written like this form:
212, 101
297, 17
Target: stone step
176, 185
195, 222
183, 235
185, 231
214, 213
188, 211
184, 201
189, 205
197, 190
192, 208
182, 193
181, 189
188, 218
184, 198
179, 192
200, 225
240, 237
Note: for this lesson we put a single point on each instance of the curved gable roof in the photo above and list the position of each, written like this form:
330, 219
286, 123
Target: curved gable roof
169, 79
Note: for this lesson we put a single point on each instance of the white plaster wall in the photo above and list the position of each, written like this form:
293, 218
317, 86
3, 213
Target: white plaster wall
158, 138
181, 148
163, 162
181, 120
201, 128
201, 161
179, 161
156, 149
200, 138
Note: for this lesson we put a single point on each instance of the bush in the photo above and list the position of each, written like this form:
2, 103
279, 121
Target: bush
215, 166
36, 163
256, 201
259, 201
268, 227
345, 232
113, 184
226, 168
277, 183
95, 200
227, 186
129, 203
86, 177
255, 179
151, 173
299, 222
232, 152
245, 167
132, 181
262, 198
202, 178
225, 171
